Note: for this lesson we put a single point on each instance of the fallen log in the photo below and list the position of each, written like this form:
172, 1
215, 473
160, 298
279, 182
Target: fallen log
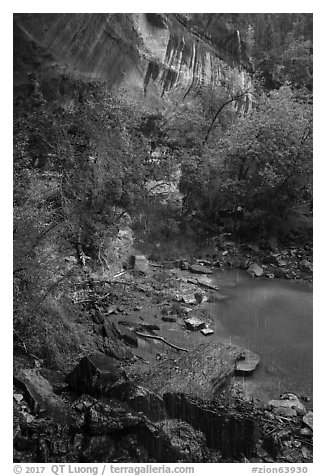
201, 372
149, 336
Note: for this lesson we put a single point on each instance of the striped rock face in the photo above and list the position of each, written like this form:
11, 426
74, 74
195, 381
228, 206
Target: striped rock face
150, 58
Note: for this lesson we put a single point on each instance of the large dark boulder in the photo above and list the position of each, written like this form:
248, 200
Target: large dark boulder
41, 398
106, 418
202, 372
95, 374
140, 399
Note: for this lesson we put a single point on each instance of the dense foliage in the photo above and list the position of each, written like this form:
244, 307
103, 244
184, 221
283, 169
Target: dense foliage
257, 172
242, 149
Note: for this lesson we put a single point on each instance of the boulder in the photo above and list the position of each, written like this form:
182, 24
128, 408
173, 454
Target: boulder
308, 419
41, 398
202, 372
255, 270
95, 374
140, 399
285, 411
248, 363
200, 269
288, 401
141, 264
194, 324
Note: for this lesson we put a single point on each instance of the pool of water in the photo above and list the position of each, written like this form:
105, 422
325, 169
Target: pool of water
273, 318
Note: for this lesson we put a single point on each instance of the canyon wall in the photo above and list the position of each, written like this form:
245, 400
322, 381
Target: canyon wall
143, 56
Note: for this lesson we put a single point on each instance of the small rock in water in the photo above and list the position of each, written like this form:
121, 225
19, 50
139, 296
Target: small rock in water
248, 363
207, 332
199, 269
255, 270
194, 324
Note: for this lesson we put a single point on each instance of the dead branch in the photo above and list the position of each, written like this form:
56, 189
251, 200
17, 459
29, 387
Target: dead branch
161, 339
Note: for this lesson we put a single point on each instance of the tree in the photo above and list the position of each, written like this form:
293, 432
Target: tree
262, 167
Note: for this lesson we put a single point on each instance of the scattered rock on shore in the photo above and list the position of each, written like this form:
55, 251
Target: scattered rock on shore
194, 324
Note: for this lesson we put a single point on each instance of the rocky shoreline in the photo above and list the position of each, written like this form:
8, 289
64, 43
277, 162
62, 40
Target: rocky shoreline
129, 401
